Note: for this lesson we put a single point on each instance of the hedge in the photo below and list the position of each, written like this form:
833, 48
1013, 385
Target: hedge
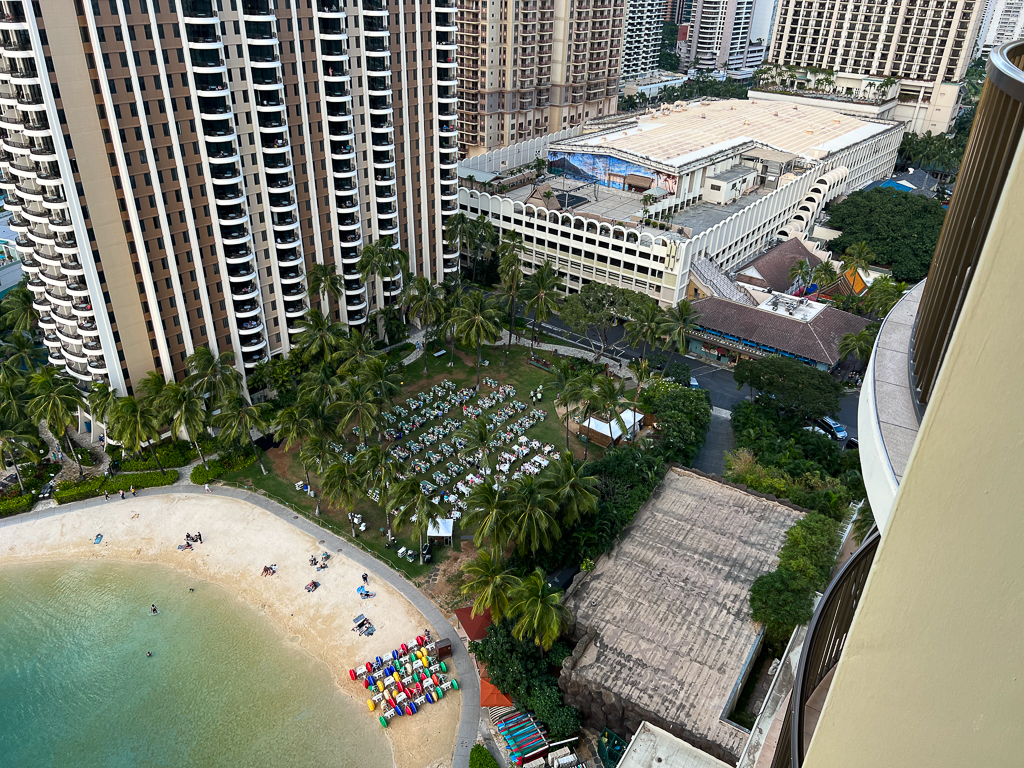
17, 505
176, 453
200, 475
479, 757
71, 490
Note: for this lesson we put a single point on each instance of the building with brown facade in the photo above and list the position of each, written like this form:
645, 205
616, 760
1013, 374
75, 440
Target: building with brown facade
175, 167
535, 67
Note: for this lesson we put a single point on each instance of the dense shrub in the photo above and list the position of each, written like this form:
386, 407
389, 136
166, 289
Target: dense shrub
35, 476
479, 757
17, 505
523, 672
683, 416
73, 490
234, 461
173, 453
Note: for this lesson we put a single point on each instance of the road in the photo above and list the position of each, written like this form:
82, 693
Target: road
716, 379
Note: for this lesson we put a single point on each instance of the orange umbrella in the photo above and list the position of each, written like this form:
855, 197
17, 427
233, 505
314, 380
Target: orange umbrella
490, 696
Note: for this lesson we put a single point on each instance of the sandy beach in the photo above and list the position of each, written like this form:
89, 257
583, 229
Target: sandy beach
238, 540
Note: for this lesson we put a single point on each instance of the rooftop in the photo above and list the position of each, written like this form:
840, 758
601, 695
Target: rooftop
703, 216
688, 132
669, 607
771, 269
590, 199
813, 332
654, 747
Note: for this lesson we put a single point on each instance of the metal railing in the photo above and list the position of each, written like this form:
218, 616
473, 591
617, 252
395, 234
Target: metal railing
823, 647
996, 134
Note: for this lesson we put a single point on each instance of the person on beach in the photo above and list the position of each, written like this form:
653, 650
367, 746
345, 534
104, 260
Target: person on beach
366, 579
121, 491
199, 537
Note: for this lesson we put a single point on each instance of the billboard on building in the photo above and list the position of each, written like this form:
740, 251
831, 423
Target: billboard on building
610, 171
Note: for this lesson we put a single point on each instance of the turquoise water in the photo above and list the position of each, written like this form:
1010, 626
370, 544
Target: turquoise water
224, 687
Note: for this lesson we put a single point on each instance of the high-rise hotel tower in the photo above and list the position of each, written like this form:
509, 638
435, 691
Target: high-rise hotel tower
175, 167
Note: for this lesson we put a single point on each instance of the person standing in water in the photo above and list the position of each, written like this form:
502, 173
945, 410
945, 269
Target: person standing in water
152, 608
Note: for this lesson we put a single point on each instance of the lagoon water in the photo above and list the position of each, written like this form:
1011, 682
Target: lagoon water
224, 686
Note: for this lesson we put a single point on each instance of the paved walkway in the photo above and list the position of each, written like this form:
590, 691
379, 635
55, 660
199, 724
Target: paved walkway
719, 440
469, 683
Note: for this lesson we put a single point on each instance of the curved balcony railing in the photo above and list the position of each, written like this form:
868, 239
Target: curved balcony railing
992, 146
823, 647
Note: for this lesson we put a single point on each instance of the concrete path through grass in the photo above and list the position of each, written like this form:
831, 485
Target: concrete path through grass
469, 683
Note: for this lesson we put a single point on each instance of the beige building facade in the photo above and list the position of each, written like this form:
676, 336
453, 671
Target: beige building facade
927, 47
535, 67
176, 168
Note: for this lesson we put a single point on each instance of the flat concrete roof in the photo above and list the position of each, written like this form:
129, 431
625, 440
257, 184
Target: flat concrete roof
654, 747
686, 133
705, 215
669, 606
575, 197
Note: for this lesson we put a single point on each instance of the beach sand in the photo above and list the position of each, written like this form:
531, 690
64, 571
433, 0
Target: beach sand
238, 540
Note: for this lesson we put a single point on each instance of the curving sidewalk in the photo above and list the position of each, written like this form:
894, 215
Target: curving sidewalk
469, 683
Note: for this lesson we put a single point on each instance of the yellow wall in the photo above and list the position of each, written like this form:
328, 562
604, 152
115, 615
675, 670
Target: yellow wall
933, 671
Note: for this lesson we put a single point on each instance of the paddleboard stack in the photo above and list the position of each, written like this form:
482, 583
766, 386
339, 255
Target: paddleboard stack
403, 682
522, 734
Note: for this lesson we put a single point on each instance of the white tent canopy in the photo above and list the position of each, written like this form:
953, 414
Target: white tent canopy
442, 528
630, 418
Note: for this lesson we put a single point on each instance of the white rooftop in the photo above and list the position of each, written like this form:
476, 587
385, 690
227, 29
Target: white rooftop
678, 135
791, 306
654, 747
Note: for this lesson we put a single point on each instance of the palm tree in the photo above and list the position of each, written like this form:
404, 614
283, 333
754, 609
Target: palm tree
18, 312
533, 524
489, 513
213, 376
185, 408
355, 348
604, 398
20, 351
478, 434
458, 231
824, 275
416, 507
101, 400
385, 383
859, 344
319, 450
238, 419
642, 370
859, 255
56, 401
427, 303
292, 426
151, 386
358, 405
801, 273
574, 490
511, 274
339, 486
325, 282
13, 399
490, 582
883, 295
541, 292
482, 236
378, 472
477, 321
452, 302
135, 423
679, 320
319, 338
561, 379
539, 612
17, 445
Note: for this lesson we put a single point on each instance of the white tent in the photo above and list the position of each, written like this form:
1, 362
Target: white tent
442, 529
630, 418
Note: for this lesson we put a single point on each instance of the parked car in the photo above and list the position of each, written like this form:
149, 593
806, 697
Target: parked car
852, 444
693, 383
817, 430
832, 428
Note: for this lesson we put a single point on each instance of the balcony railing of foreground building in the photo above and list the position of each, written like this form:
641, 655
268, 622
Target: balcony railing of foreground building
822, 649
913, 339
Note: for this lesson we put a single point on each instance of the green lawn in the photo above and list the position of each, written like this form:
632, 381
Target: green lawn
284, 470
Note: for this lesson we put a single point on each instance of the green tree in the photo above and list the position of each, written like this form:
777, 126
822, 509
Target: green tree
538, 611
213, 376
597, 308
378, 472
101, 400
781, 600
859, 344
185, 408
489, 515
647, 326
19, 349
238, 419
791, 385
573, 489
902, 229
859, 256
325, 282
561, 380
477, 322
478, 434
385, 383
802, 273
292, 425
532, 505
823, 275
319, 451
541, 292
479, 757
56, 400
135, 424
491, 584
319, 337
18, 445
683, 416
679, 320
426, 303
339, 486
16, 310
509, 270
417, 508
883, 295
359, 405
